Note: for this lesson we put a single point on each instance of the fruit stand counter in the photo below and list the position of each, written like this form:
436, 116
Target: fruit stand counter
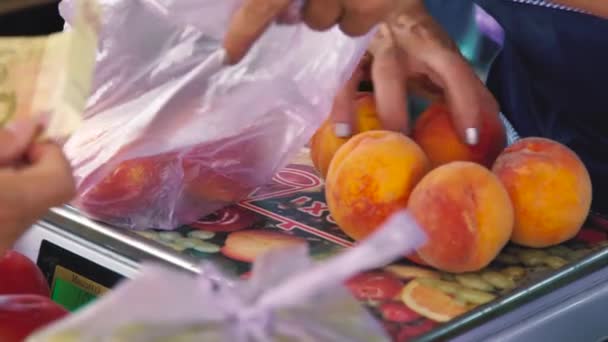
523, 293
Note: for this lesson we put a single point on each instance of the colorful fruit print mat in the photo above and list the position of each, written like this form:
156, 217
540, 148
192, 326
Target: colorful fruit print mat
413, 302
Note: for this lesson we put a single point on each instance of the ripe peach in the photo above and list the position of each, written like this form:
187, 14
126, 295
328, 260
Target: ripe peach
550, 189
466, 213
436, 135
371, 177
219, 172
325, 143
126, 189
204, 184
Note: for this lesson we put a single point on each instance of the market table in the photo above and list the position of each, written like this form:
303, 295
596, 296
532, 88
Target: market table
560, 295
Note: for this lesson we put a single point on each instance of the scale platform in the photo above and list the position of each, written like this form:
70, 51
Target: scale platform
83, 259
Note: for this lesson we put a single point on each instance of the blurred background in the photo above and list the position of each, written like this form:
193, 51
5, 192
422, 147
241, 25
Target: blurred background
39, 20
477, 34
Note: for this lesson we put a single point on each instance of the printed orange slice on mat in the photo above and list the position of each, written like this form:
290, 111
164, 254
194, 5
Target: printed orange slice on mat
248, 245
431, 302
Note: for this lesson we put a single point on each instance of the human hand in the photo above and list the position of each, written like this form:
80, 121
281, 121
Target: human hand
33, 177
411, 53
355, 18
15, 139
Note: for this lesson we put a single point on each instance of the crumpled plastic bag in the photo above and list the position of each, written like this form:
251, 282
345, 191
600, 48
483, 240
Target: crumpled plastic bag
171, 133
288, 298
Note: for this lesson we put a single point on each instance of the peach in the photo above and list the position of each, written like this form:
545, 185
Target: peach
204, 184
436, 135
325, 143
550, 189
219, 172
127, 189
371, 177
466, 213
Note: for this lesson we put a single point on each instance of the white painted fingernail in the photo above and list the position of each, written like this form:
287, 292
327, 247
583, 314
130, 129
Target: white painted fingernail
342, 130
472, 136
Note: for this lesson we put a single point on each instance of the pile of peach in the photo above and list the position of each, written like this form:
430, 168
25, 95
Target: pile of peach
470, 200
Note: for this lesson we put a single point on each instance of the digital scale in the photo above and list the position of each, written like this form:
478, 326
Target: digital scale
83, 259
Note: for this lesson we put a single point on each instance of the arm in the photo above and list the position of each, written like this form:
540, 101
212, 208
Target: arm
250, 21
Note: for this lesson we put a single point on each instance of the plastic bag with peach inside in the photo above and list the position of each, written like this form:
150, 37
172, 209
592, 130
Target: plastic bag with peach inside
288, 298
172, 133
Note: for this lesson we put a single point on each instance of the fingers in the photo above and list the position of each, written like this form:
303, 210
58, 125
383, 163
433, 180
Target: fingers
434, 54
322, 14
388, 76
248, 24
360, 16
28, 192
48, 181
462, 93
15, 140
344, 110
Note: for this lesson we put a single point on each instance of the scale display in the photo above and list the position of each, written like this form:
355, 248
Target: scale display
72, 290
74, 280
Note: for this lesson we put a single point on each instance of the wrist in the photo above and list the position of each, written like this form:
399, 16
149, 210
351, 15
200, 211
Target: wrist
418, 28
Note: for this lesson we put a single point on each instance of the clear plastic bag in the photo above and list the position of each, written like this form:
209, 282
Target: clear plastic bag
288, 298
171, 133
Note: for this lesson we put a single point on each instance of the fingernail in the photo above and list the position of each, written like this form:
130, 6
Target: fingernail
342, 130
472, 136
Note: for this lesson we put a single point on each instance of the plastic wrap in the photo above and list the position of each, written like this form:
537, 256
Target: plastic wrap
171, 133
288, 298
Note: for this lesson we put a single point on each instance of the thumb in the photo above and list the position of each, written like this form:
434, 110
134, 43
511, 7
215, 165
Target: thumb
15, 139
48, 179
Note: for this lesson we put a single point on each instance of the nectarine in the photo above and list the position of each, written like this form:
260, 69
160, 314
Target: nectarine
550, 189
466, 213
371, 177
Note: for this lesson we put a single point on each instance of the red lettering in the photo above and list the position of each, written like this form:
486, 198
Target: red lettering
287, 225
316, 209
301, 200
